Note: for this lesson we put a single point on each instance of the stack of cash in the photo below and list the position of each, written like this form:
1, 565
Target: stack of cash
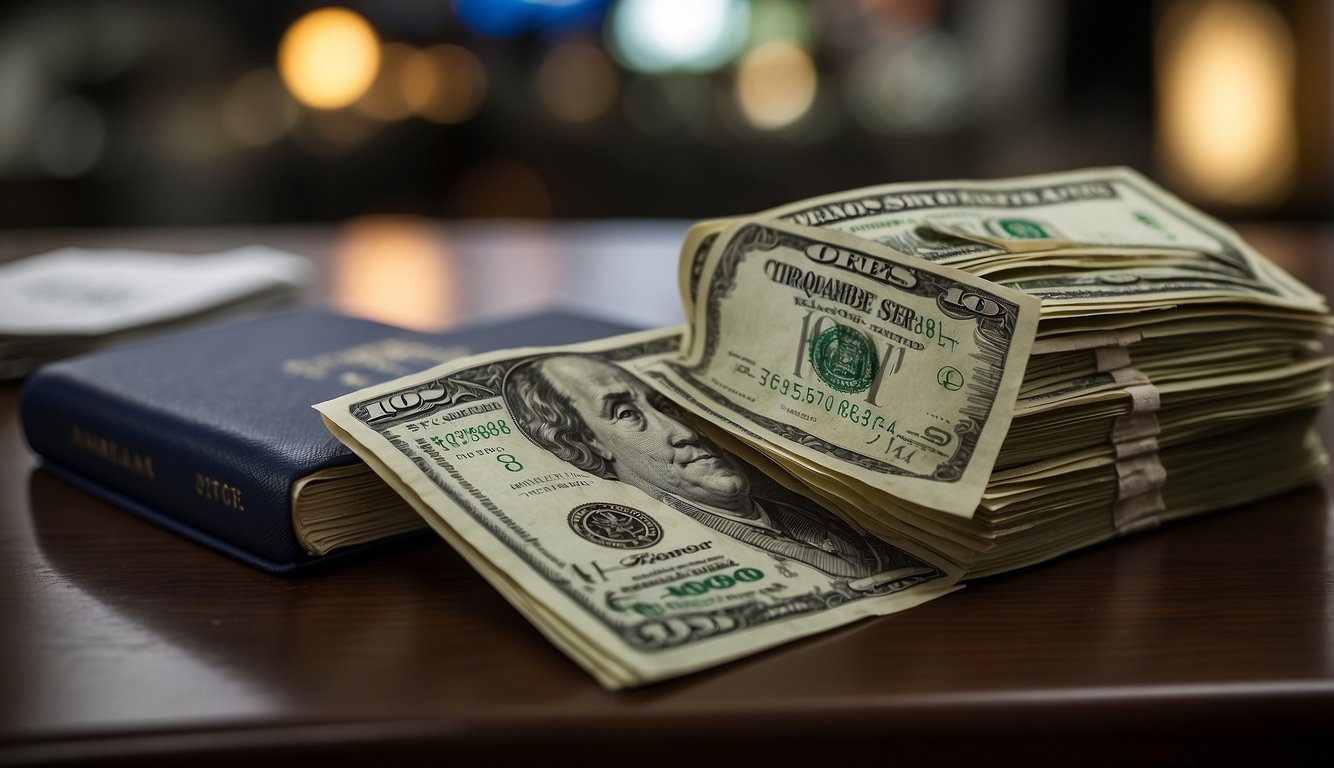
1174, 369
878, 394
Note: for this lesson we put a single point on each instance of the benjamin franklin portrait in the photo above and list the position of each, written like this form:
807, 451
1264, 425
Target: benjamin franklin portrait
601, 419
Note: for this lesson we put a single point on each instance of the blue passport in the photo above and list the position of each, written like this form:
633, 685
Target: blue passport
210, 431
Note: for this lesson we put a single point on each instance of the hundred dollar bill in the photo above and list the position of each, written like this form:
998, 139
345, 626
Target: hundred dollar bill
887, 370
967, 222
636, 544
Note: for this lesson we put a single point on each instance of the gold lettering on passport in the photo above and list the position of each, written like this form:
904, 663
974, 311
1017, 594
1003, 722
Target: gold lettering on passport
216, 490
385, 356
112, 452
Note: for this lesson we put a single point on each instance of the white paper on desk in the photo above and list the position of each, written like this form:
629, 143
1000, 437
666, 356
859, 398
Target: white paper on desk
77, 292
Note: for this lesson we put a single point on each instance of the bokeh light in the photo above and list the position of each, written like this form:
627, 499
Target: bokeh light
664, 35
329, 58
576, 81
447, 83
500, 187
329, 133
70, 137
257, 110
190, 132
495, 18
394, 269
775, 84
1227, 118
388, 96
921, 86
21, 92
670, 108
788, 20
419, 80
135, 111
511, 18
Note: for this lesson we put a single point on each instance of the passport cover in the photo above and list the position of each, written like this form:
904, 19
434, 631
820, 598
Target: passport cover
204, 431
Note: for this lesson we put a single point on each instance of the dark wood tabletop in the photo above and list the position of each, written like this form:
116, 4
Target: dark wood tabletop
1207, 641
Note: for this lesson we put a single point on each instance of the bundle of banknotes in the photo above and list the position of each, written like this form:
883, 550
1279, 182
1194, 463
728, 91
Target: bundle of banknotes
877, 395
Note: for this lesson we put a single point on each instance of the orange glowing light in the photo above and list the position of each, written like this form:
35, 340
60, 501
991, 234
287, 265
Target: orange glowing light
577, 81
386, 98
329, 58
1227, 118
460, 88
501, 187
776, 84
397, 270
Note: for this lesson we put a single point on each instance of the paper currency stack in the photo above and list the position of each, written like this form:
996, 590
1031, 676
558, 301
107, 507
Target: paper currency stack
1174, 370
879, 394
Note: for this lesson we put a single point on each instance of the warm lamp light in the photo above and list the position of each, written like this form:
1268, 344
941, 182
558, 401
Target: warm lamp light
1227, 123
776, 84
329, 58
394, 269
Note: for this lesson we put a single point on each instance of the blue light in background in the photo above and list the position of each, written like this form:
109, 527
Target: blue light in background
512, 18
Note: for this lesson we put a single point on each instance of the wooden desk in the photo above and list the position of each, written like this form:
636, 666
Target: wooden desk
1211, 641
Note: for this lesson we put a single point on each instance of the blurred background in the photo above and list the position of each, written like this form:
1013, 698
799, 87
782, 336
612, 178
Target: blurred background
206, 112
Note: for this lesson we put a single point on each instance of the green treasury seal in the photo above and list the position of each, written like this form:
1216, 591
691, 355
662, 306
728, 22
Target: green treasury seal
844, 359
